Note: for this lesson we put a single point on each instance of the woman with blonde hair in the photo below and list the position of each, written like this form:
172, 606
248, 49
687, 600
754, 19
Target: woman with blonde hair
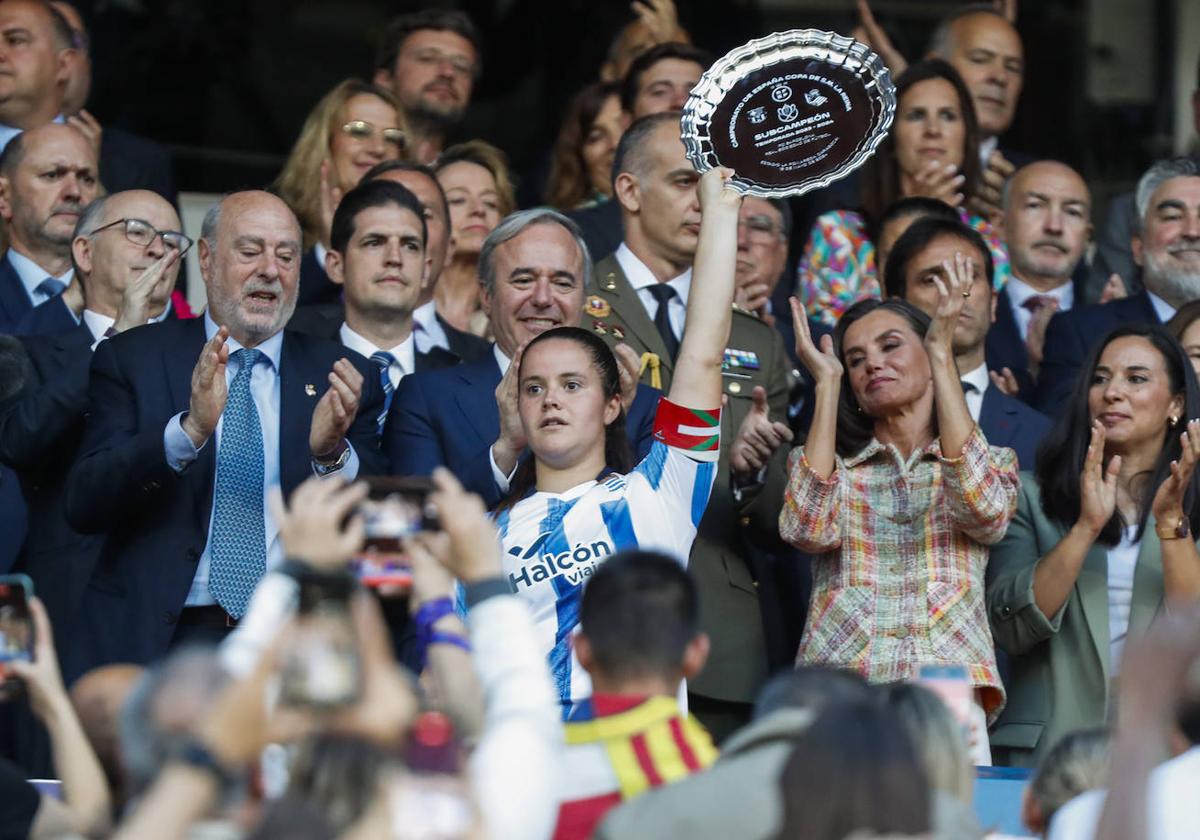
353, 127
479, 193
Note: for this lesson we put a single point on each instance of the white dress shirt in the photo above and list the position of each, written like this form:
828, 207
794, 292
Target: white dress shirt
1162, 309
1122, 562
1019, 291
642, 278
980, 379
428, 329
403, 353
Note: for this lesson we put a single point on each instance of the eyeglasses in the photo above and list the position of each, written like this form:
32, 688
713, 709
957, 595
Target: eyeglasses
759, 229
142, 233
432, 56
363, 130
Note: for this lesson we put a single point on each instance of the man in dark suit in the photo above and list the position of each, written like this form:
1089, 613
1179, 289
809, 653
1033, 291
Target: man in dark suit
431, 332
658, 80
638, 297
1047, 212
191, 425
1167, 247
533, 269
41, 214
377, 255
127, 248
915, 266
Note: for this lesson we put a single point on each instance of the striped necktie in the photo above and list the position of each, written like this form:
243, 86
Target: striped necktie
384, 362
238, 542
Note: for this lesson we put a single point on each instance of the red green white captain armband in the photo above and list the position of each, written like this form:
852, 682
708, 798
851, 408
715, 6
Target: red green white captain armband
692, 430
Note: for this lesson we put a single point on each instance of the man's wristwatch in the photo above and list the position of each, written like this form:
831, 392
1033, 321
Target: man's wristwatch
333, 461
1182, 530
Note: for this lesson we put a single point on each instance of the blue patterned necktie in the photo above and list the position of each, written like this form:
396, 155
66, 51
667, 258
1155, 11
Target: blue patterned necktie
384, 361
238, 542
51, 287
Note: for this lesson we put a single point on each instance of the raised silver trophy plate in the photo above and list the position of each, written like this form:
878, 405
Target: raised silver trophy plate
789, 113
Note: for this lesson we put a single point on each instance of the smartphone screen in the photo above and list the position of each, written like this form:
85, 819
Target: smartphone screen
16, 628
395, 508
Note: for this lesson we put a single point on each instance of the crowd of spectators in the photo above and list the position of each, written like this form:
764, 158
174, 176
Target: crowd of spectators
448, 517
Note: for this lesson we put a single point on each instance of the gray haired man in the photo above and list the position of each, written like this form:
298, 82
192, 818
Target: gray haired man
534, 269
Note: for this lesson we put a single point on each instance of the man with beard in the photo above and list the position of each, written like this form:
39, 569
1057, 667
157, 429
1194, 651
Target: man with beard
193, 424
1047, 208
430, 60
1167, 247
47, 176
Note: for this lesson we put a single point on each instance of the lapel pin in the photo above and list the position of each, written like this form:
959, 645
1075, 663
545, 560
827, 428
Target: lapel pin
610, 282
618, 333
598, 307
310, 390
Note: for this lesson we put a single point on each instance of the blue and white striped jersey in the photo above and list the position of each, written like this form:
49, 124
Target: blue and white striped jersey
553, 542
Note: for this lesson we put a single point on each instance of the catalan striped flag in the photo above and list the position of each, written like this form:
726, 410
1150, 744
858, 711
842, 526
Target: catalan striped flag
621, 747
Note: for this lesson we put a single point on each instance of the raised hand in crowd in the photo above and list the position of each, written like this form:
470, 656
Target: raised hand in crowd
1006, 381
89, 127
209, 390
758, 438
826, 370
988, 199
512, 441
335, 413
88, 805
630, 368
319, 527
869, 32
150, 285
939, 180
1114, 289
954, 423
660, 19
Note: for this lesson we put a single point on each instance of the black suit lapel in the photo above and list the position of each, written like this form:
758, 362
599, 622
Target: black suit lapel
1007, 344
996, 419
14, 300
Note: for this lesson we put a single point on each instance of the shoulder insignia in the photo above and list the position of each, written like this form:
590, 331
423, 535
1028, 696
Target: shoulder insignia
598, 307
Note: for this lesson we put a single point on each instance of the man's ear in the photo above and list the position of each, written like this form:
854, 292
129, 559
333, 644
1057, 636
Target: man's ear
628, 191
63, 70
1135, 245
383, 78
204, 255
426, 272
995, 297
695, 655
6, 211
334, 267
583, 651
81, 252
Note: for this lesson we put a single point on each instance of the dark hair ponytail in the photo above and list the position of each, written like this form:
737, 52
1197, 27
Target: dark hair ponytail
617, 455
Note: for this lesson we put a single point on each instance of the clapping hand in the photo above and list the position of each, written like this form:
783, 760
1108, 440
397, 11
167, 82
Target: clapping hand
987, 202
335, 413
953, 290
1168, 501
629, 368
757, 438
1097, 484
153, 283
512, 441
939, 180
209, 390
871, 33
823, 364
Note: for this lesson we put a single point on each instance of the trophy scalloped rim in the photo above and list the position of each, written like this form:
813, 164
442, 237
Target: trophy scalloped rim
757, 54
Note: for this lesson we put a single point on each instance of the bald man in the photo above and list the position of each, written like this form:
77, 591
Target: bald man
1047, 227
179, 453
40, 213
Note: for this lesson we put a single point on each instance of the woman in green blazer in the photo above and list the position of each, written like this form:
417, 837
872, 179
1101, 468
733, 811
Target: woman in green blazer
1101, 538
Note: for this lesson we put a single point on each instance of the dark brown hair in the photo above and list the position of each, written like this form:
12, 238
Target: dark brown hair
569, 185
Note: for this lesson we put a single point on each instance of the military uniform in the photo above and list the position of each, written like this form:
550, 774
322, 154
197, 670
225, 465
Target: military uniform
729, 595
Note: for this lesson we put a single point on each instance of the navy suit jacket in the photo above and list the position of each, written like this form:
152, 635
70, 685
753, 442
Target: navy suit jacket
40, 432
1006, 421
14, 300
1072, 334
450, 418
155, 520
